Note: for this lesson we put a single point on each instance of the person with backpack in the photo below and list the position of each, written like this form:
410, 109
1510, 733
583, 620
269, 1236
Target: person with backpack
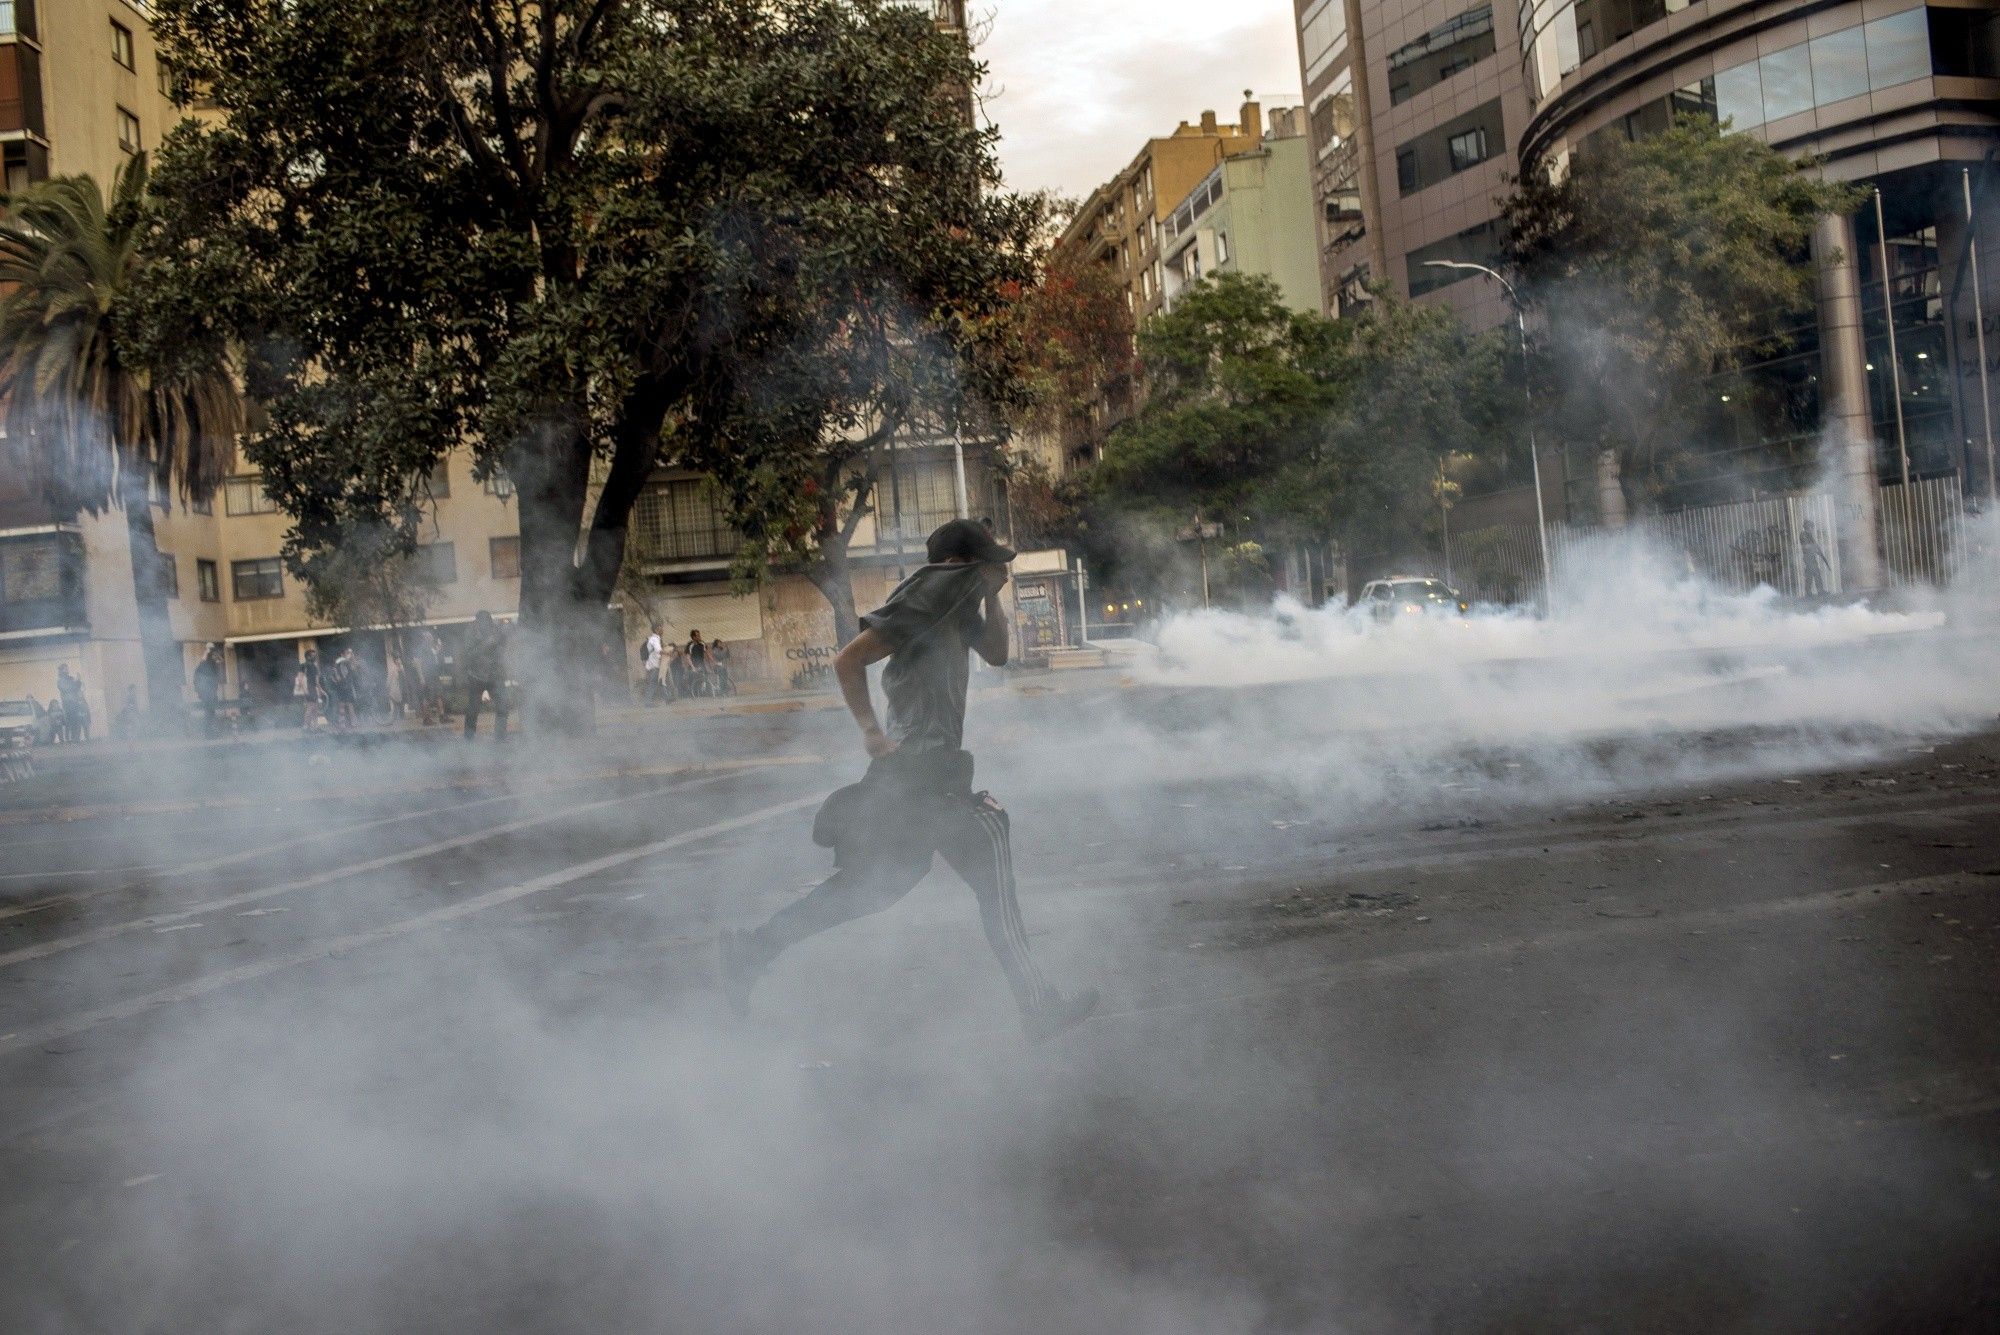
651, 658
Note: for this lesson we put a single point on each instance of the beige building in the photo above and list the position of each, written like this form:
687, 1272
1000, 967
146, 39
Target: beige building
1251, 215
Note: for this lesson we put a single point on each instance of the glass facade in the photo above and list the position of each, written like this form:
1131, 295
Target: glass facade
1477, 245
1559, 35
1828, 69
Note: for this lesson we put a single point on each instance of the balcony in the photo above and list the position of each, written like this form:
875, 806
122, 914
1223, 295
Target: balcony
41, 583
21, 90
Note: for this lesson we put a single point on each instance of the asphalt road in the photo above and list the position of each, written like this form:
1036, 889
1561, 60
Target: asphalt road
1652, 1024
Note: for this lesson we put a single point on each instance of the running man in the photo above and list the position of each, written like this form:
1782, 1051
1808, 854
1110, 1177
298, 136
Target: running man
916, 799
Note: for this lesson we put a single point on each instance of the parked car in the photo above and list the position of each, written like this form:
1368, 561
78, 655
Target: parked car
18, 724
1411, 595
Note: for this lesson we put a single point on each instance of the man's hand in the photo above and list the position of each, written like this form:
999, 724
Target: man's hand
878, 743
850, 669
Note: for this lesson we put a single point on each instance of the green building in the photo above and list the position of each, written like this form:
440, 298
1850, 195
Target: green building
1254, 215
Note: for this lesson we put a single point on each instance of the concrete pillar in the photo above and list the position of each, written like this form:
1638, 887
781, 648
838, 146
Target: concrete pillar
1846, 435
1610, 491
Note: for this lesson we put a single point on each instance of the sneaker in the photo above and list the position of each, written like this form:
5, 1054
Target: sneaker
740, 969
1060, 1015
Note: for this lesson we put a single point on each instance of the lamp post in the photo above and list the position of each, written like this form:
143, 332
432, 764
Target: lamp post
1528, 389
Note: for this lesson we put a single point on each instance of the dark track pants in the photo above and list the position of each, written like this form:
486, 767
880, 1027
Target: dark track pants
972, 835
475, 692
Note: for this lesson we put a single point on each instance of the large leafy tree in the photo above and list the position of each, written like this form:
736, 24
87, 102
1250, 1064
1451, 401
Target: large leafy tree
1292, 426
1655, 265
578, 237
92, 421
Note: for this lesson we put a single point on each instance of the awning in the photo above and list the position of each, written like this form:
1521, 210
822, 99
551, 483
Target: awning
329, 632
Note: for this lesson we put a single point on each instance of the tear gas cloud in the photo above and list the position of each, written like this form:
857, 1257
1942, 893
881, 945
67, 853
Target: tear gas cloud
546, 1120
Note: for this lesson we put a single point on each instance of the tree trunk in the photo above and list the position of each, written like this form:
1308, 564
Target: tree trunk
553, 657
833, 575
157, 646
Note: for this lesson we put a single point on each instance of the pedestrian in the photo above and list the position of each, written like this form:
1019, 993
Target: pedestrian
342, 686
651, 656
697, 664
208, 679
1812, 560
311, 691
482, 662
916, 799
57, 728
675, 675
427, 664
125, 726
719, 659
394, 677
76, 711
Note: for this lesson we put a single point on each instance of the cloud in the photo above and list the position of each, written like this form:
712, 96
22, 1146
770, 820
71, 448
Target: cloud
1076, 89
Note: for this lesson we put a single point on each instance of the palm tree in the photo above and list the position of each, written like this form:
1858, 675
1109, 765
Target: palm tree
89, 425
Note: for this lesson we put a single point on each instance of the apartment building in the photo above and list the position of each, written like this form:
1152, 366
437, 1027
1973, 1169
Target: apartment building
1415, 111
1253, 215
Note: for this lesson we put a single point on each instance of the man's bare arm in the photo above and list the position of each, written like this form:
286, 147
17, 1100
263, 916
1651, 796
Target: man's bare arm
850, 669
992, 642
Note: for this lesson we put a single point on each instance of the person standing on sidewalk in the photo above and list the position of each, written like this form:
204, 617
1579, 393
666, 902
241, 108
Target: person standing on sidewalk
916, 800
208, 675
651, 661
482, 662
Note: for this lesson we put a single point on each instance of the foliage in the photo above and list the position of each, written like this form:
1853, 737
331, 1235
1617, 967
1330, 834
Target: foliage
581, 237
91, 419
81, 407
368, 580
1291, 424
1656, 264
1074, 332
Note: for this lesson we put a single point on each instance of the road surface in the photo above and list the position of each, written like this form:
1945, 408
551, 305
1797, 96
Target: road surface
1663, 1029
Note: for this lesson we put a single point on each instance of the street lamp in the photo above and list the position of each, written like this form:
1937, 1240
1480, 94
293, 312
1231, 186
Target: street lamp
1528, 387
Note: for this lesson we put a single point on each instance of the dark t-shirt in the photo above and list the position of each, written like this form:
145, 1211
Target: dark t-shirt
930, 622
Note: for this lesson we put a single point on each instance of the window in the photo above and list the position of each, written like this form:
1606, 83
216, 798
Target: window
436, 563
163, 78
9, 24
246, 496
1788, 85
1477, 245
1221, 248
207, 582
41, 581
1462, 142
1455, 45
1333, 114
1468, 149
1739, 96
1898, 49
505, 556
250, 581
438, 480
1322, 36
26, 163
684, 520
202, 505
128, 131
1965, 43
121, 45
170, 575
1839, 66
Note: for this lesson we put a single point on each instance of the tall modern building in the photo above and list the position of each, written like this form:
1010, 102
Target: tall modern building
1415, 111
1901, 97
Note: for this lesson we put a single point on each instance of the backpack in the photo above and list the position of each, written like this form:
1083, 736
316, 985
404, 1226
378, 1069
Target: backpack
642, 653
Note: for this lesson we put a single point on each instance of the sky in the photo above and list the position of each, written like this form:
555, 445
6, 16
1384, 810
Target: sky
1076, 86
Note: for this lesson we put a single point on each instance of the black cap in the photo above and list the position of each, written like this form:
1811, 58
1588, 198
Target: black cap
963, 539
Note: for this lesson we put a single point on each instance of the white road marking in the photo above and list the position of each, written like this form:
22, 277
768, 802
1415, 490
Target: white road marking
330, 832
57, 945
91, 1019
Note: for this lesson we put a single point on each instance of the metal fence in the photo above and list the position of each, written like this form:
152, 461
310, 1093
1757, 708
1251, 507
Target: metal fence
1786, 542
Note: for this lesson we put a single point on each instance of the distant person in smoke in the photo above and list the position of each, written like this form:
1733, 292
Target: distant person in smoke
697, 663
652, 657
343, 687
427, 665
76, 712
719, 659
208, 676
916, 800
1812, 560
675, 675
310, 690
482, 662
